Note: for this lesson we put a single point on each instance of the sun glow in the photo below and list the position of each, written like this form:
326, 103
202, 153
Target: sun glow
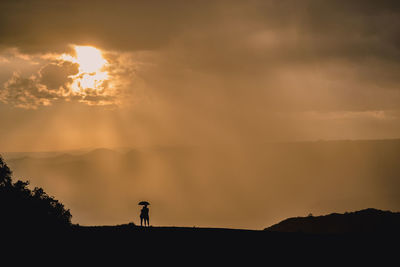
89, 59
91, 68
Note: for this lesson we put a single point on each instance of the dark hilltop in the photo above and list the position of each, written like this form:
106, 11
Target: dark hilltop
367, 221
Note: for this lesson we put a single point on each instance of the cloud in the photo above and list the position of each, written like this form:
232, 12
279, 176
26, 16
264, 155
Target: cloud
126, 25
54, 76
51, 83
306, 29
25, 92
231, 38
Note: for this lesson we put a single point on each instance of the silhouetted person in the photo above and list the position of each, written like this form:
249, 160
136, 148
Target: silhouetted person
144, 215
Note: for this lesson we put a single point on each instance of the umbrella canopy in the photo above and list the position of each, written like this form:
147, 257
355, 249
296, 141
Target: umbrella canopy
143, 203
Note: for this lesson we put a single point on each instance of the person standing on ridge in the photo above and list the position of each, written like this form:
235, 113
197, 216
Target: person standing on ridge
144, 215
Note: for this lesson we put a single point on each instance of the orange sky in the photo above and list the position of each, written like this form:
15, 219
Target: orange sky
197, 72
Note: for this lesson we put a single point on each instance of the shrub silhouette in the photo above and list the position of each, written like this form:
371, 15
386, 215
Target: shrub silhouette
23, 209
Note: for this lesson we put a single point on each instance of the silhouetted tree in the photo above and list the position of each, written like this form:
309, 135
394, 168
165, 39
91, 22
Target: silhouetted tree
5, 173
25, 209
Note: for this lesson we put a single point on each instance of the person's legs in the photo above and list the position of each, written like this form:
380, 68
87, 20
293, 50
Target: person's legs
141, 221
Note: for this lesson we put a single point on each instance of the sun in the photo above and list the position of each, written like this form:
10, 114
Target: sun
89, 59
92, 74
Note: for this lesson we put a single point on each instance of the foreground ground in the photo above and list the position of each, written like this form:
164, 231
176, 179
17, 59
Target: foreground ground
129, 244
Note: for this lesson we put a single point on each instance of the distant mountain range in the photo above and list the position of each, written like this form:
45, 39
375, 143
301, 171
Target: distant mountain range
249, 187
364, 221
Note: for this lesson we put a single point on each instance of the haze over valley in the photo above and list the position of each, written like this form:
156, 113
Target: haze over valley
221, 186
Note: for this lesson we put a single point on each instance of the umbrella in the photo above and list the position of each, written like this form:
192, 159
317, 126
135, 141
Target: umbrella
143, 203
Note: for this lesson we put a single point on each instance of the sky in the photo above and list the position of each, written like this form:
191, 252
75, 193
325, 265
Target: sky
150, 74
196, 72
